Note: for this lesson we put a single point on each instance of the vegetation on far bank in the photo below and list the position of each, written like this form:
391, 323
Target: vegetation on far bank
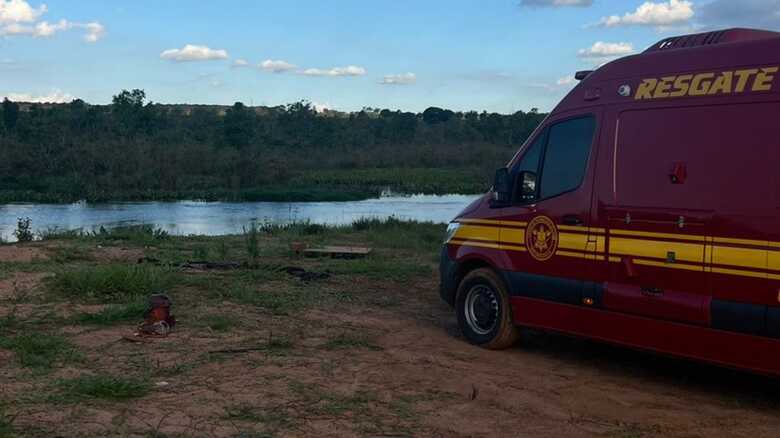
137, 150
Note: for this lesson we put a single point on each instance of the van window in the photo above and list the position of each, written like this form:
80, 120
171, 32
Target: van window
525, 191
566, 157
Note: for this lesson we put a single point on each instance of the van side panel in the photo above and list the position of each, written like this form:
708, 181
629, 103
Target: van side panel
755, 353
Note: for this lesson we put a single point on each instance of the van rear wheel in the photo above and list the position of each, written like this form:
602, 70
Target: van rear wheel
483, 310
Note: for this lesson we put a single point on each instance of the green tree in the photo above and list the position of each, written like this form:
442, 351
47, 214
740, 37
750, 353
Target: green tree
10, 114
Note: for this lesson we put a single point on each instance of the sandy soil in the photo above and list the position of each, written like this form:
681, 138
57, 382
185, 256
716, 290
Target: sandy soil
403, 371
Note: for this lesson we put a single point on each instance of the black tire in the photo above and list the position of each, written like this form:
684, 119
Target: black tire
483, 310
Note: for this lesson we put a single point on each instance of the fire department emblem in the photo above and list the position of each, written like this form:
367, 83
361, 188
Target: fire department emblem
541, 238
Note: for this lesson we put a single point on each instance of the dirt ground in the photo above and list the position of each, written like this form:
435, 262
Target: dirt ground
389, 361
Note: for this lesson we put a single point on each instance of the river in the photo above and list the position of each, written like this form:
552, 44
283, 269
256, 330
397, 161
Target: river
219, 218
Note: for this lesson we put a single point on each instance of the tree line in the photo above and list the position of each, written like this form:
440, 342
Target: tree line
137, 149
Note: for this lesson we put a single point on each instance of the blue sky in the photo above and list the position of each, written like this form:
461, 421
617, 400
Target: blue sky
494, 55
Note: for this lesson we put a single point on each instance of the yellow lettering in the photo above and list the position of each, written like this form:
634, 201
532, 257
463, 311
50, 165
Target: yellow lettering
764, 79
662, 90
645, 89
722, 84
701, 84
743, 76
681, 86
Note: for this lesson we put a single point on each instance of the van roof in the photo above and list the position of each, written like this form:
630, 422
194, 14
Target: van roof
710, 51
710, 38
723, 48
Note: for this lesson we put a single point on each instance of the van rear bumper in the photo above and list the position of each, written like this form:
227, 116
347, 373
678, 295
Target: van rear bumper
448, 279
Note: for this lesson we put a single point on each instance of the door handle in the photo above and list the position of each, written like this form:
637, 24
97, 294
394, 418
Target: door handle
571, 219
651, 291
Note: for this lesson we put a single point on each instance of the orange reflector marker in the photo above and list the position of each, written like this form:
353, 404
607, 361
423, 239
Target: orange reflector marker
589, 301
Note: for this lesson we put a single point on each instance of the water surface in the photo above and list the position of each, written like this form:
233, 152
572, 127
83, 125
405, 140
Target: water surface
219, 218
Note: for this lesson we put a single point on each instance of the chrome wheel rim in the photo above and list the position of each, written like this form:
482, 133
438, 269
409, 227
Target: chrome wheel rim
481, 309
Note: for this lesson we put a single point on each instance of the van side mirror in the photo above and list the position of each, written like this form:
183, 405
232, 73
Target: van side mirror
502, 189
526, 190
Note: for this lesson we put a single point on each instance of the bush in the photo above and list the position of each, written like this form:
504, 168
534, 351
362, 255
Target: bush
252, 241
23, 231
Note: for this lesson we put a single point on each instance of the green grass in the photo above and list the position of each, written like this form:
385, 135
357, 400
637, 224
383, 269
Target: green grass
40, 351
114, 314
220, 323
111, 283
379, 268
350, 341
102, 386
332, 403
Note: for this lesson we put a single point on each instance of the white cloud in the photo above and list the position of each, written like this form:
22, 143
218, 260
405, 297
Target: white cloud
276, 66
18, 18
566, 81
556, 3
239, 63
402, 79
54, 96
95, 31
662, 14
350, 70
19, 11
191, 52
601, 52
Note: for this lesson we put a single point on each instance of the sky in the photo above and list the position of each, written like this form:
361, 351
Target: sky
493, 55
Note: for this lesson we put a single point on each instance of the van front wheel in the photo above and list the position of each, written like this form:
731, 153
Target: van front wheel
483, 310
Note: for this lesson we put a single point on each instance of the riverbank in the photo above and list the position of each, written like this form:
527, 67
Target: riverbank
359, 347
313, 186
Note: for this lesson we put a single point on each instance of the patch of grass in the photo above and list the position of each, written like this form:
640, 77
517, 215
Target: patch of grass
111, 283
349, 341
332, 403
40, 351
200, 253
220, 323
56, 233
379, 267
6, 424
285, 299
102, 386
71, 253
114, 314
9, 321
141, 235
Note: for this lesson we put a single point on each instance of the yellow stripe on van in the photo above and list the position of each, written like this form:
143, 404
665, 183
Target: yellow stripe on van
573, 241
475, 244
684, 252
773, 260
513, 248
742, 257
691, 237
479, 232
513, 236
741, 273
514, 223
668, 265
740, 241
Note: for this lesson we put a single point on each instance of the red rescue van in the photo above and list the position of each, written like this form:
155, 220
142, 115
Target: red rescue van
644, 211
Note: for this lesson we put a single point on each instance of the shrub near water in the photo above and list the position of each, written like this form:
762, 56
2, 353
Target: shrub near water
111, 283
